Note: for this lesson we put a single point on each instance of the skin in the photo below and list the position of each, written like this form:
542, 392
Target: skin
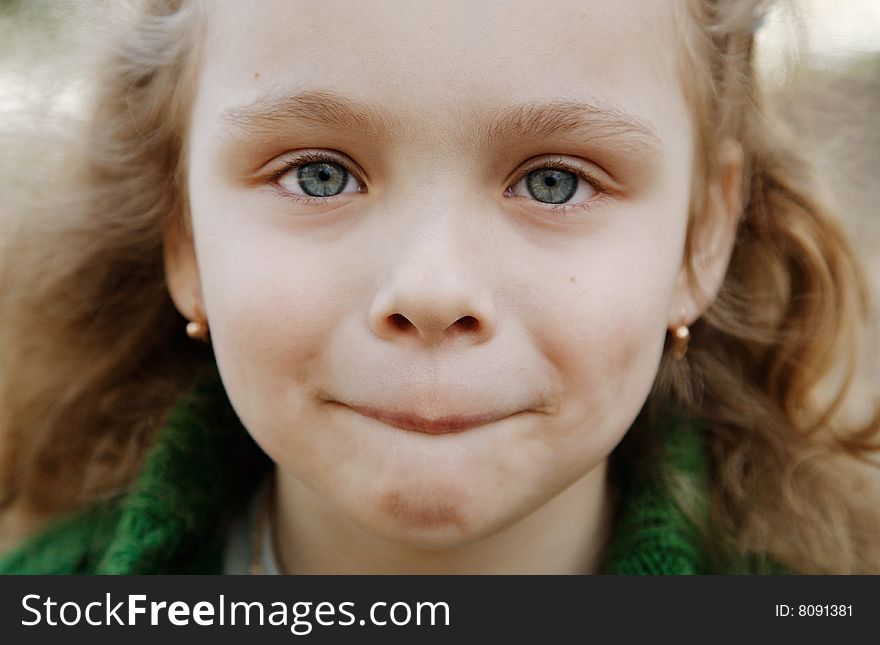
435, 282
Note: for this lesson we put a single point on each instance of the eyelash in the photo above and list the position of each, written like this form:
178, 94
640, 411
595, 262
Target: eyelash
580, 173
303, 159
558, 164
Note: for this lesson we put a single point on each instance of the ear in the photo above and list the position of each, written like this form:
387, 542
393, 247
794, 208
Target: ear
181, 270
712, 238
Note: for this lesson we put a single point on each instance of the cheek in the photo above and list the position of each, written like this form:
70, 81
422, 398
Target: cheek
272, 314
609, 369
604, 332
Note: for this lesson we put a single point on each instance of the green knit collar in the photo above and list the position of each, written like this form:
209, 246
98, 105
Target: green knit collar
204, 466
196, 477
653, 534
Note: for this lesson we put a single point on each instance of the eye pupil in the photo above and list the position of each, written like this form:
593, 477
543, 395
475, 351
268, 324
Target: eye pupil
552, 185
322, 179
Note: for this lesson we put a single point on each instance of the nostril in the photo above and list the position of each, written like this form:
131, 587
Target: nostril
399, 321
468, 323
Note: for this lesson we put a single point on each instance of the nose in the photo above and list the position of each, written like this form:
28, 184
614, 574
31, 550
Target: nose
434, 295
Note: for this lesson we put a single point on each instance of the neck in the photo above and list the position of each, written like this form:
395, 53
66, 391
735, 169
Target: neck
566, 535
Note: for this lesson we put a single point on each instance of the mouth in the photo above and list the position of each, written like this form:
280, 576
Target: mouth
417, 423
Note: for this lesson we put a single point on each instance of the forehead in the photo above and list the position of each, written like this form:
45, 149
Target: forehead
431, 63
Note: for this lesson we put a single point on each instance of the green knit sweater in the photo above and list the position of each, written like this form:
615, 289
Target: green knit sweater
204, 467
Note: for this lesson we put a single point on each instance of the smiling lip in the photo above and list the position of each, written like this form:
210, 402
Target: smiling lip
442, 425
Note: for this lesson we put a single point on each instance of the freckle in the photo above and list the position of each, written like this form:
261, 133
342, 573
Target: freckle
572, 280
256, 75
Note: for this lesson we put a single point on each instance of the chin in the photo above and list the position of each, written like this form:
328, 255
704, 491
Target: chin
421, 521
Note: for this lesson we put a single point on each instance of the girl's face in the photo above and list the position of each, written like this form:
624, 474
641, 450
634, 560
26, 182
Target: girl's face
438, 210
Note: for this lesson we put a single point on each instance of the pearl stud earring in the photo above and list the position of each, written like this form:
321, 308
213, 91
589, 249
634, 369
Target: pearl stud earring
197, 329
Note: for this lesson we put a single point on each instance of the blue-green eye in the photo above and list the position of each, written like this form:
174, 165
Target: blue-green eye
558, 182
316, 178
552, 185
321, 179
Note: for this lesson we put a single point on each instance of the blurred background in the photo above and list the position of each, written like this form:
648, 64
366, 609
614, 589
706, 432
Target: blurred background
821, 59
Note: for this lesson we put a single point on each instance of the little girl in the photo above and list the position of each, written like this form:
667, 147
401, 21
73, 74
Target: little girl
435, 288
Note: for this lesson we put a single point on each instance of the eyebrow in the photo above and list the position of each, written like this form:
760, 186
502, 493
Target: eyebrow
274, 112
